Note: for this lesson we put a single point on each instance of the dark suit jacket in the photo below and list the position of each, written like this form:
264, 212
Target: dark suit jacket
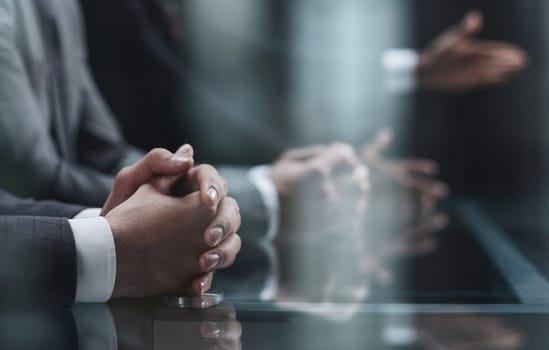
37, 253
134, 58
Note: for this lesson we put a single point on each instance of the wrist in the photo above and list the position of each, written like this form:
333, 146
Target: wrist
123, 285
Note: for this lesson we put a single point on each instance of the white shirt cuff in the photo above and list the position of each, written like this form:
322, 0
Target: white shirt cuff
95, 259
400, 67
259, 176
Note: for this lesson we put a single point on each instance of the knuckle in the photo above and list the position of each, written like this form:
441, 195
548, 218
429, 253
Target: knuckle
224, 185
238, 242
231, 202
224, 223
207, 168
156, 152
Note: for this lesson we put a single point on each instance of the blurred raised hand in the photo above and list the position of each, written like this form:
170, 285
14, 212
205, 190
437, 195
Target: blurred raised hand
458, 61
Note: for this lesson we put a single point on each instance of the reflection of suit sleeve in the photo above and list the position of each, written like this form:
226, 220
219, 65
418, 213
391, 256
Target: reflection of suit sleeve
30, 164
38, 261
253, 275
24, 329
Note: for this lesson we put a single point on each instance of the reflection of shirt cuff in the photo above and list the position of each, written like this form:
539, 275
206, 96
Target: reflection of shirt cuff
95, 259
270, 289
95, 327
400, 67
259, 175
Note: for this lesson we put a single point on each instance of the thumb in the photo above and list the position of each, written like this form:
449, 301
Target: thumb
158, 162
471, 24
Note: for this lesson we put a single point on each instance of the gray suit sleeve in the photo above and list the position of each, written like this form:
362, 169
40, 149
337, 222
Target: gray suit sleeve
38, 262
30, 165
255, 220
11, 205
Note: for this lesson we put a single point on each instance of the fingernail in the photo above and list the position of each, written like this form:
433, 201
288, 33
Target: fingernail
178, 160
216, 235
212, 261
202, 286
185, 149
212, 193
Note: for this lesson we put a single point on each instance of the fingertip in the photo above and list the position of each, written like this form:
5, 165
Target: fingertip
197, 286
522, 59
473, 22
185, 150
202, 284
475, 13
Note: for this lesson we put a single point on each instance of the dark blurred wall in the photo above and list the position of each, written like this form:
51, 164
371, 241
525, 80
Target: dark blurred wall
490, 142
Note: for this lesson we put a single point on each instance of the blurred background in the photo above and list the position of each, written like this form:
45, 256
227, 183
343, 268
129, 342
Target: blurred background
260, 76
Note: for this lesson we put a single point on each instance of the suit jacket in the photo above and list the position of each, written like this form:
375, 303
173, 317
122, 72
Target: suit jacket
37, 253
58, 139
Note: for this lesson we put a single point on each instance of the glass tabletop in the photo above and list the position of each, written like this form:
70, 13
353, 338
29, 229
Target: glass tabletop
476, 289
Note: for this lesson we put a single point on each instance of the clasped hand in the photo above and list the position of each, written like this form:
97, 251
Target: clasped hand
166, 243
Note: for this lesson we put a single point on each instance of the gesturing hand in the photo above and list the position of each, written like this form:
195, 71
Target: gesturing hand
457, 61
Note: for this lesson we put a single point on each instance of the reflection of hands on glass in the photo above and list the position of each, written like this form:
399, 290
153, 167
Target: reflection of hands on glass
414, 176
327, 271
403, 219
457, 61
467, 333
319, 187
183, 248
383, 248
171, 328
214, 328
